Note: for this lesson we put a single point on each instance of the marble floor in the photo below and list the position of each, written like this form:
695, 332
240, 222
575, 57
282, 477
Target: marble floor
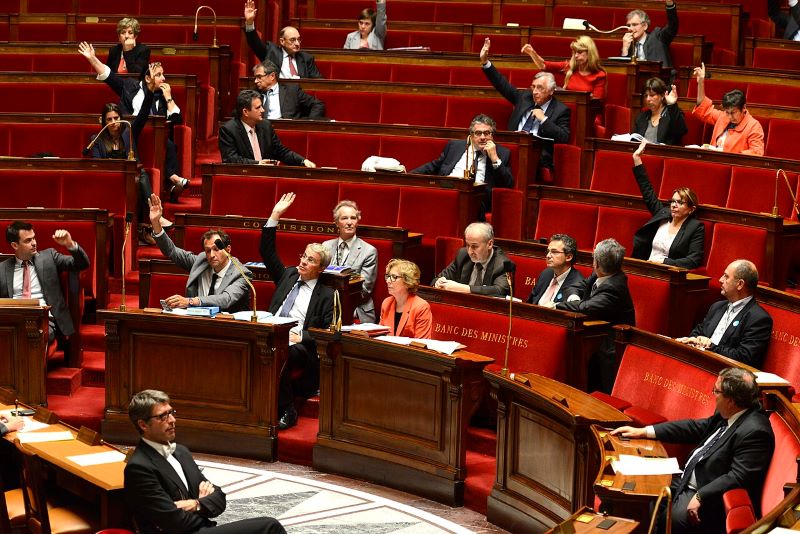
308, 501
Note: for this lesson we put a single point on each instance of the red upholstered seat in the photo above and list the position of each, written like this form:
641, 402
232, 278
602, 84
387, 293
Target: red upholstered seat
163, 285
615, 402
753, 189
438, 41
617, 118
548, 45
326, 38
528, 269
715, 88
601, 17
780, 141
461, 109
711, 181
341, 70
613, 172
236, 195
697, 131
783, 467
776, 58
567, 162
416, 205
572, 218
505, 44
317, 198
508, 204
651, 298
446, 249
783, 355
341, 151
466, 12
621, 224
423, 110
730, 242
339, 105
412, 152
295, 140
522, 14
642, 416
776, 95
420, 74
378, 203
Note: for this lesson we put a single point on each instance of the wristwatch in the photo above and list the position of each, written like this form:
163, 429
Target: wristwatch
697, 496
197, 505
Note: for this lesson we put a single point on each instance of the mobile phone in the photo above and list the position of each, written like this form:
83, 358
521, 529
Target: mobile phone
164, 305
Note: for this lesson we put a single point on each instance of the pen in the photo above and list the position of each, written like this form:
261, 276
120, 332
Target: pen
16, 407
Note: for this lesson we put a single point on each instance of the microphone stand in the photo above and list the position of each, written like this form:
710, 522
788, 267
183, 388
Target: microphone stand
336, 322
128, 220
510, 279
131, 155
469, 168
789, 187
220, 245
196, 34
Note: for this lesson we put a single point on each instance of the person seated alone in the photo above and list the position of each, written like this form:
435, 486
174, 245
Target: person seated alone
735, 130
213, 279
33, 274
736, 327
371, 30
284, 100
249, 139
479, 158
560, 273
479, 268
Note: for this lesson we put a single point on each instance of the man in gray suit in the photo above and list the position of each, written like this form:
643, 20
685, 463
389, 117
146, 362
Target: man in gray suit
19, 281
213, 281
350, 251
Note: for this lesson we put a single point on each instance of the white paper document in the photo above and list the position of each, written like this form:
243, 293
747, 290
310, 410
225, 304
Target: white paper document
274, 319
42, 437
97, 458
363, 327
636, 465
443, 347
763, 377
32, 424
247, 315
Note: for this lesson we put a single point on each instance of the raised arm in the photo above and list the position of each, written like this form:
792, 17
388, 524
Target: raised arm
700, 75
538, 62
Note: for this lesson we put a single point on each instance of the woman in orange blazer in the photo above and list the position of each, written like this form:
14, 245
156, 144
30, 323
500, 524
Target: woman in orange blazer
403, 311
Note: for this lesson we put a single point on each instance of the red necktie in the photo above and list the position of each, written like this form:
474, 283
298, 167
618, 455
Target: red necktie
292, 69
123, 67
26, 280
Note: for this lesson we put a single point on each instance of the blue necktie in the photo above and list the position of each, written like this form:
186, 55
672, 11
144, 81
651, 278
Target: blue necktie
528, 126
290, 298
687, 472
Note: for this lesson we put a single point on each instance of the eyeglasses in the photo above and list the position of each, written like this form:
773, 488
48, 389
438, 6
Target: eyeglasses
291, 39
392, 277
164, 416
482, 133
677, 202
553, 251
716, 391
309, 259
633, 24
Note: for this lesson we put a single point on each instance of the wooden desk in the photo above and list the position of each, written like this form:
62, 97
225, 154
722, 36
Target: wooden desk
544, 469
396, 415
589, 519
23, 342
221, 376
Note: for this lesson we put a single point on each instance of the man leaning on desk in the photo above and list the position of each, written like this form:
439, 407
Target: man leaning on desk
734, 451
213, 280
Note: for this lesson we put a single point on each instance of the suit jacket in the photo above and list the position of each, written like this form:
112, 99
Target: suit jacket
152, 486
494, 277
306, 68
363, 259
376, 36
611, 301
556, 127
296, 103
449, 158
127, 88
747, 137
48, 263
671, 126
739, 459
747, 336
656, 46
791, 23
543, 282
136, 60
687, 247
416, 320
233, 293
234, 144
320, 308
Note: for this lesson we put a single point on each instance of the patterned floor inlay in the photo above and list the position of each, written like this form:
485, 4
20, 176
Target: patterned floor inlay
308, 506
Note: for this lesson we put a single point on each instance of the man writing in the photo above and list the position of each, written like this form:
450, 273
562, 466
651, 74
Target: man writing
284, 101
736, 327
213, 280
33, 274
164, 488
479, 158
559, 274
734, 451
299, 295
249, 139
479, 268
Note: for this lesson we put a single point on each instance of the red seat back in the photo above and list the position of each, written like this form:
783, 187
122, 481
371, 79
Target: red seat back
780, 138
753, 189
711, 181
236, 195
571, 218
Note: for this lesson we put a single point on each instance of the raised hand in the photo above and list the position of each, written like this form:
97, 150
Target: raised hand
487, 43
63, 238
283, 204
700, 72
671, 96
637, 156
86, 50
250, 11
527, 49
156, 211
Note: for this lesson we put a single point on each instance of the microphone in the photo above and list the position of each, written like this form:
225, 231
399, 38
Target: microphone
583, 24
509, 267
128, 221
336, 321
796, 207
196, 33
220, 245
131, 155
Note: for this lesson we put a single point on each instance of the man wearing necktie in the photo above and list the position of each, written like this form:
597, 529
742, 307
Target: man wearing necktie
284, 101
164, 488
479, 158
213, 280
736, 327
560, 272
32, 273
734, 449
654, 45
479, 267
299, 295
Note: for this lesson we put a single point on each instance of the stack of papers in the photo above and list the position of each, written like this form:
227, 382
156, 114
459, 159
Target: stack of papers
97, 458
247, 315
443, 347
636, 465
42, 437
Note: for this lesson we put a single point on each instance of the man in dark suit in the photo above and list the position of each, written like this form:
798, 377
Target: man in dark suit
790, 24
292, 62
479, 268
284, 101
736, 327
248, 138
34, 274
652, 46
164, 488
536, 111
299, 295
604, 296
213, 279
560, 273
735, 449
479, 158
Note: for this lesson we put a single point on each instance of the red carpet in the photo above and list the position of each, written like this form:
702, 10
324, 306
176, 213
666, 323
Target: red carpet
84, 408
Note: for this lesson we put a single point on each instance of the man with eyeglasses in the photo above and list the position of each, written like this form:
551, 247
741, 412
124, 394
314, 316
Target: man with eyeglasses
735, 446
284, 101
736, 327
293, 63
560, 272
652, 46
164, 488
299, 295
478, 158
